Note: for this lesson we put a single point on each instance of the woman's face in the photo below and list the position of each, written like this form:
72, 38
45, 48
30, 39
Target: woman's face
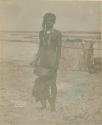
49, 22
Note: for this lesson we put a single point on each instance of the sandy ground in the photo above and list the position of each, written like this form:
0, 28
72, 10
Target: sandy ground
79, 100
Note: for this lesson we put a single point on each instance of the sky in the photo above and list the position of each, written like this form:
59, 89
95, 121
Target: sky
28, 14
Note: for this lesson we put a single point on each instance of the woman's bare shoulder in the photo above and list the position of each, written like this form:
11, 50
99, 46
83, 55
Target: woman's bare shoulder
41, 33
57, 32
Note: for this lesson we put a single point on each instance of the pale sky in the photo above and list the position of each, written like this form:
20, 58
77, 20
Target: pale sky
27, 15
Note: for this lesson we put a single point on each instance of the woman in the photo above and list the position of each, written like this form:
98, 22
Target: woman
47, 61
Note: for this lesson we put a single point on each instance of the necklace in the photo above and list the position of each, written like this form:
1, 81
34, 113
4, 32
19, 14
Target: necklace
47, 37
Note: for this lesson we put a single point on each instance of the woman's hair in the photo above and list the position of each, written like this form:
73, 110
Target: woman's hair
46, 16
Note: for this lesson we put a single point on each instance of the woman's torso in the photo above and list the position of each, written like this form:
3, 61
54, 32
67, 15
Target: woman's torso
48, 51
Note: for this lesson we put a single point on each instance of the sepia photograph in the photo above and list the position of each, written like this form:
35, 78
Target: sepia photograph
50, 62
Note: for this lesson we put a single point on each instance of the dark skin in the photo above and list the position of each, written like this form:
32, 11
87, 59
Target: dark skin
49, 24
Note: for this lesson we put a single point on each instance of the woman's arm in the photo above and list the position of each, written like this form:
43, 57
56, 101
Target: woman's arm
58, 50
36, 58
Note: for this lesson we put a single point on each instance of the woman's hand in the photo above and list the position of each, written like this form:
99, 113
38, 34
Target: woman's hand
34, 63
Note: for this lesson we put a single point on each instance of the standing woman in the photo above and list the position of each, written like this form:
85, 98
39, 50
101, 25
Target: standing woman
47, 61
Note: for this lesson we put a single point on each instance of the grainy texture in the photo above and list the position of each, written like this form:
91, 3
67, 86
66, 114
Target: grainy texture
79, 79
79, 99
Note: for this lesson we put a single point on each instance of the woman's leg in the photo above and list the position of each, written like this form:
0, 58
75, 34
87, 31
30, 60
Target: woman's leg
53, 92
53, 96
45, 94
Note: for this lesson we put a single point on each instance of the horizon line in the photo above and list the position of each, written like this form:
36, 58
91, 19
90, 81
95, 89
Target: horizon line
70, 31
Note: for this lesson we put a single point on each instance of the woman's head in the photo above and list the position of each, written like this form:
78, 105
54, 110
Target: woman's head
49, 20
